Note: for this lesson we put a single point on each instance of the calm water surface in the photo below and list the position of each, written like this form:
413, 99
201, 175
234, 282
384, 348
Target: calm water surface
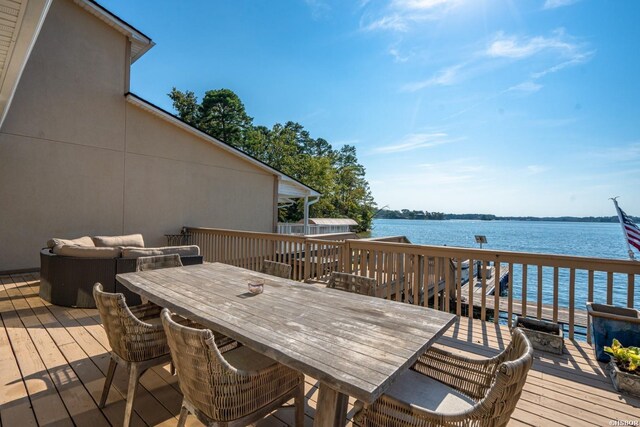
602, 240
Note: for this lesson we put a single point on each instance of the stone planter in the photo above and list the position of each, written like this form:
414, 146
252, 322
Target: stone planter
545, 336
609, 322
623, 382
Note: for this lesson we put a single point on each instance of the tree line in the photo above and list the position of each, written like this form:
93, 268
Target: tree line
289, 148
426, 215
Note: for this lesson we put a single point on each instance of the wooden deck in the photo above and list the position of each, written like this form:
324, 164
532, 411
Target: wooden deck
53, 361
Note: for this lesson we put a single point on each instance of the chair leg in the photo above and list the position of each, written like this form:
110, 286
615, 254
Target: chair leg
107, 382
172, 368
183, 416
134, 377
299, 403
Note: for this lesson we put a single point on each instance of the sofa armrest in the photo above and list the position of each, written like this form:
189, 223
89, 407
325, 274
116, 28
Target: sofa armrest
68, 281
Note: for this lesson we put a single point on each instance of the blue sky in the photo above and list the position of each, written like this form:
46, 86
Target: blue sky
493, 106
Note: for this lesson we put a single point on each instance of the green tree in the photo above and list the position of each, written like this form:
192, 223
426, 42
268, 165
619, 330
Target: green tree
220, 114
288, 148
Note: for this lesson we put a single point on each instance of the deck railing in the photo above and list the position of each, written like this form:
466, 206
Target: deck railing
295, 228
539, 285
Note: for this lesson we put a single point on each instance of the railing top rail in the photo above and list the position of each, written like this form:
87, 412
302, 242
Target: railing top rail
332, 236
548, 260
326, 242
254, 234
396, 239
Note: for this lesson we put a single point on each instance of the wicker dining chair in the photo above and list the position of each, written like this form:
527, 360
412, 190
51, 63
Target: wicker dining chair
274, 268
353, 283
234, 389
444, 389
157, 262
135, 343
146, 263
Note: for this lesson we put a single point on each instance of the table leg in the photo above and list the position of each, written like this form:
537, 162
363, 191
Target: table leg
331, 409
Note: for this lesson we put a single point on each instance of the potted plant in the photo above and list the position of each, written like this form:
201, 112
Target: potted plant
545, 336
608, 322
624, 368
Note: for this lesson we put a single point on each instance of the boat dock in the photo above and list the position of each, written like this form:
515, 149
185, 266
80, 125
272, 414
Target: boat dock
545, 312
490, 283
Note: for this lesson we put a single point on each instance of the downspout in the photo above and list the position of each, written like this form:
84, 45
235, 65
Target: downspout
308, 203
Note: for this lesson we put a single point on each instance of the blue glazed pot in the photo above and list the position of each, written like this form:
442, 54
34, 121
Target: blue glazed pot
609, 322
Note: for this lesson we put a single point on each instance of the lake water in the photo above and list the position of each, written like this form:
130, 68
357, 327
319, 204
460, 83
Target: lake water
602, 240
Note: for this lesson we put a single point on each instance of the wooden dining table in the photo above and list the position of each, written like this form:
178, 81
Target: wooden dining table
354, 345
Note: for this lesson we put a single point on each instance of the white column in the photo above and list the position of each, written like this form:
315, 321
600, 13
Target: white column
306, 215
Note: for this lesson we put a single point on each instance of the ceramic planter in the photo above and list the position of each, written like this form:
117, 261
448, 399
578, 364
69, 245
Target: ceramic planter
609, 322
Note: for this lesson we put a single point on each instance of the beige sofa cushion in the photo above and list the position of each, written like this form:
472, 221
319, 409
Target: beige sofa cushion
133, 240
80, 241
165, 250
86, 251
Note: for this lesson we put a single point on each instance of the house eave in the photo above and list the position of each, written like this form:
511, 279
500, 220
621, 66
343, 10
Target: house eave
140, 42
19, 31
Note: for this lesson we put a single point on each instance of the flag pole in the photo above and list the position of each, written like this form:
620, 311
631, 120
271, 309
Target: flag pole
624, 231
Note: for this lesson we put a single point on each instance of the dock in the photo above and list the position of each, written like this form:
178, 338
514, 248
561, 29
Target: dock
546, 311
490, 283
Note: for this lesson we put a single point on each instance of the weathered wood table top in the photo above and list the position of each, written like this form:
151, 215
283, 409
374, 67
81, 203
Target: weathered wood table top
357, 345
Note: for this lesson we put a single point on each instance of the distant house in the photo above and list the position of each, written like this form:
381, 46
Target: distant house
81, 155
318, 226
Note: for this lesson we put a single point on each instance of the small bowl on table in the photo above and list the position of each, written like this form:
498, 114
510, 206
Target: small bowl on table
256, 287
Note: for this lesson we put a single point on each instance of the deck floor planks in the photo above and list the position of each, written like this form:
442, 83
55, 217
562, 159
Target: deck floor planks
45, 400
98, 355
87, 371
75, 397
589, 406
15, 406
147, 406
570, 389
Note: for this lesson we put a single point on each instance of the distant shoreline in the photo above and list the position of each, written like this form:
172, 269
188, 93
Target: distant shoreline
438, 216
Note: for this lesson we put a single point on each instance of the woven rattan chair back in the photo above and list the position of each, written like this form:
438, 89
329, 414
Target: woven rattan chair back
353, 283
135, 344
274, 268
503, 395
214, 388
495, 384
130, 339
147, 263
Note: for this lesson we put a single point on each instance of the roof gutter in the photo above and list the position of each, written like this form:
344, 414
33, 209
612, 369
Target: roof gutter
31, 17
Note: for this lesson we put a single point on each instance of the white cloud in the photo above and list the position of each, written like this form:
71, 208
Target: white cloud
445, 77
423, 4
552, 4
400, 15
393, 22
319, 8
526, 87
397, 56
517, 48
619, 154
414, 141
578, 58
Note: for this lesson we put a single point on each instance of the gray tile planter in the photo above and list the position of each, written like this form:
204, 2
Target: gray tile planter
545, 336
623, 382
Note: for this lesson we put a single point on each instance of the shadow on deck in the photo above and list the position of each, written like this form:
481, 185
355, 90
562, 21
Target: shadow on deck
53, 361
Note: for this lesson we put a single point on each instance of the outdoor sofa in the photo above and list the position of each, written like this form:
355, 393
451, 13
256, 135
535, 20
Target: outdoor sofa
70, 268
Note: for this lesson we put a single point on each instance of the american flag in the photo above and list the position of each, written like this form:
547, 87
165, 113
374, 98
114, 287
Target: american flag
630, 229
